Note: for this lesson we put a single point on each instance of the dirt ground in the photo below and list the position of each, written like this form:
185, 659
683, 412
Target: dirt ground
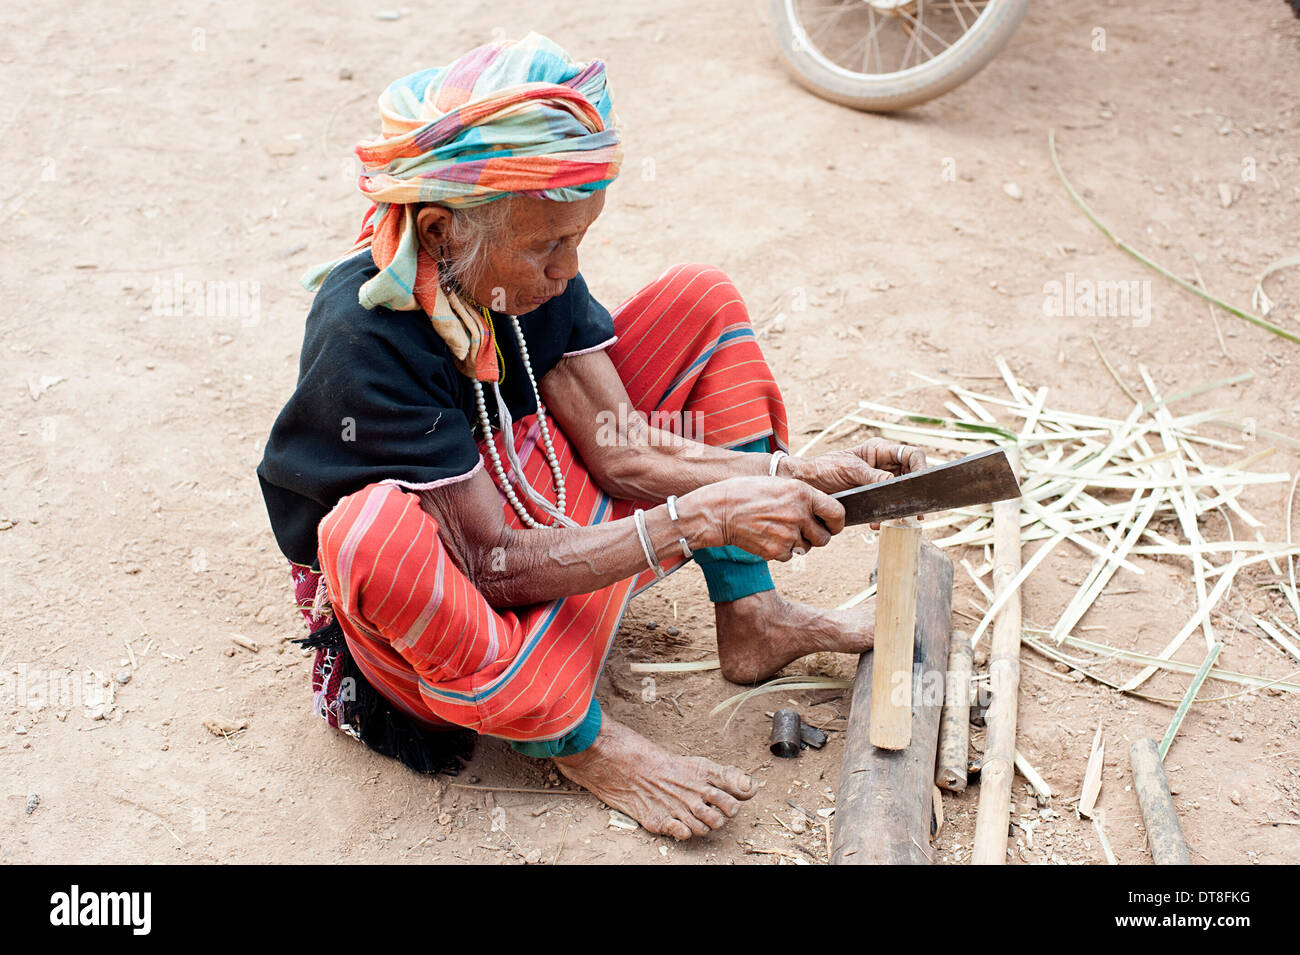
154, 146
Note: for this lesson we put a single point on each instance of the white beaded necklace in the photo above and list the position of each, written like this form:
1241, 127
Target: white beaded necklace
451, 289
557, 510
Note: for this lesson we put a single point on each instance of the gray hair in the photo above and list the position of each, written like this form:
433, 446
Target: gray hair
475, 230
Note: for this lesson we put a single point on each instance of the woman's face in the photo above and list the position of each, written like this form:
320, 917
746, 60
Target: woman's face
536, 256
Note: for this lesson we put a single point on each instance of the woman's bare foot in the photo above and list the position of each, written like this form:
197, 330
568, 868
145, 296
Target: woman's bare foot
678, 796
761, 633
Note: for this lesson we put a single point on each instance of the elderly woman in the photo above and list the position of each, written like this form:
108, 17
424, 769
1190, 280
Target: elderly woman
481, 465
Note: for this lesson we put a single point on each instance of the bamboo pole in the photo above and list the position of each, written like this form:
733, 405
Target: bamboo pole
954, 723
998, 769
1164, 834
891, 674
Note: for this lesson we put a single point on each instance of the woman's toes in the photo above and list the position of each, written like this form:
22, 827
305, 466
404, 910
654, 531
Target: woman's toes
669, 826
710, 816
731, 780
696, 824
724, 801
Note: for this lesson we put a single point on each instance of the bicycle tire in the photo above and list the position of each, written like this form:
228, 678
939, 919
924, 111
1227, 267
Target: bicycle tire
887, 92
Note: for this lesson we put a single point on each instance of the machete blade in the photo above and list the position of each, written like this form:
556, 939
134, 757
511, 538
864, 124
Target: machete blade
976, 479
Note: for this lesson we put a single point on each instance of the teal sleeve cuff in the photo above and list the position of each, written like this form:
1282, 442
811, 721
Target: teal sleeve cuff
570, 744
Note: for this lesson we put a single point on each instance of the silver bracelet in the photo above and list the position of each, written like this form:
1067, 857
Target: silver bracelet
777, 455
672, 513
639, 516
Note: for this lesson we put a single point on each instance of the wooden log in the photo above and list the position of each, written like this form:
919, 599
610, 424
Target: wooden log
954, 723
891, 673
1164, 833
885, 799
998, 769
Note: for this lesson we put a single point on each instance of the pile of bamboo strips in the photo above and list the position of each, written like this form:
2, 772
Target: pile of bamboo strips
1105, 486
1123, 491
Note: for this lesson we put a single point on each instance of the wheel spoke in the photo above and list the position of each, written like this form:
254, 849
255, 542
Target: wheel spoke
922, 27
956, 10
907, 50
956, 6
974, 9
875, 40
919, 23
830, 17
858, 36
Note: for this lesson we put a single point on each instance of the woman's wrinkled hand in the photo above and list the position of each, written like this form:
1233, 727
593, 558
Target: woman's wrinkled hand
873, 461
773, 517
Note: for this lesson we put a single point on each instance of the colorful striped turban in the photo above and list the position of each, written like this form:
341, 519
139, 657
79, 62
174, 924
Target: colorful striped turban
508, 118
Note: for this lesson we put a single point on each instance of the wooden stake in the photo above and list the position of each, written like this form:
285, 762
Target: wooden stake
885, 798
998, 769
1164, 834
891, 675
954, 723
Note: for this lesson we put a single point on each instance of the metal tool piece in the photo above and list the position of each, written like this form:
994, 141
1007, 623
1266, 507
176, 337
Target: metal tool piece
976, 479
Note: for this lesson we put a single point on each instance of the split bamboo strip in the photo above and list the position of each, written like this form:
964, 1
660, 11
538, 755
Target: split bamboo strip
1169, 548
1173, 666
975, 579
1121, 482
1010, 591
1062, 526
990, 847
891, 674
1236, 424
1184, 507
694, 666
1290, 561
1203, 611
1105, 843
1182, 283
1032, 776
1092, 775
1105, 363
1188, 698
1158, 402
858, 598
1222, 489
1276, 634
1234, 566
1102, 571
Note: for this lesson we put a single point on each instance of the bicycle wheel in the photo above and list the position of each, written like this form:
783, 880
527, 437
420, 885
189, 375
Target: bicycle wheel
885, 55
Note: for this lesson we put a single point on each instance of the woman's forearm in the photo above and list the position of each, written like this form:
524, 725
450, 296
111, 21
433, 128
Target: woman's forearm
627, 452
653, 463
532, 566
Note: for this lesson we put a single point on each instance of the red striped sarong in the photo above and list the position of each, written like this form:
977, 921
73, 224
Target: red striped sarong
418, 629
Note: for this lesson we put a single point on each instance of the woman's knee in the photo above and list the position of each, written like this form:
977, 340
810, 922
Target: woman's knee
361, 541
696, 270
693, 288
705, 281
